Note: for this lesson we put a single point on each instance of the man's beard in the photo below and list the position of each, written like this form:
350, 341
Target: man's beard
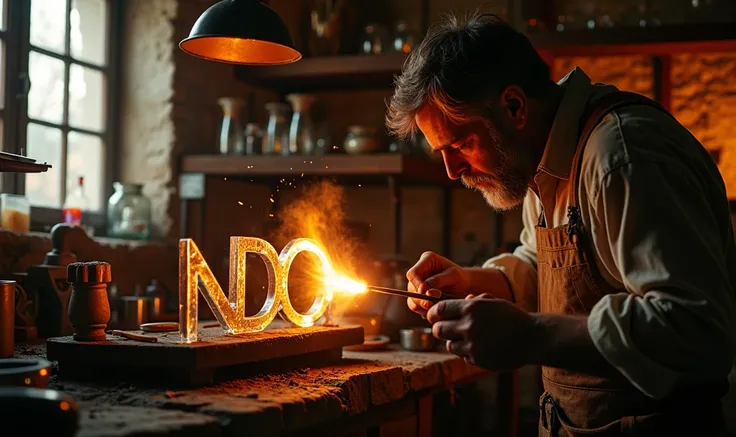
506, 188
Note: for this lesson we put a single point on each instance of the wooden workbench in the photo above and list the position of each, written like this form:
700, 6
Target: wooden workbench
391, 391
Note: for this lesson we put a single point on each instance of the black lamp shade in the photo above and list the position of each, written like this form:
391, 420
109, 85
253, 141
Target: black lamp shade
241, 32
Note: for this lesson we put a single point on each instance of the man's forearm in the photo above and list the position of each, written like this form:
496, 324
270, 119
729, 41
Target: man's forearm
494, 282
563, 341
489, 280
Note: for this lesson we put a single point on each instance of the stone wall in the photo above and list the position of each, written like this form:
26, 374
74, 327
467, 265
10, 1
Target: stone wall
147, 123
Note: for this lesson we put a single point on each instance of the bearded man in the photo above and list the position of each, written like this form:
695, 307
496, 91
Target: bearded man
623, 286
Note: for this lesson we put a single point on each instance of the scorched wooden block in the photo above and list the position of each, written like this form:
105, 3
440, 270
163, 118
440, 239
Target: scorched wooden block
215, 356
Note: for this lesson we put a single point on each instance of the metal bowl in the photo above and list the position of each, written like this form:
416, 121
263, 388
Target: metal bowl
361, 139
417, 339
35, 411
21, 372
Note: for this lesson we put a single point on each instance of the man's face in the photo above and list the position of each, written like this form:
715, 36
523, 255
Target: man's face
487, 157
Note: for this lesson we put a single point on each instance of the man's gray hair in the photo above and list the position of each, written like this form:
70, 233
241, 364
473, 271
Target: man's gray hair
459, 66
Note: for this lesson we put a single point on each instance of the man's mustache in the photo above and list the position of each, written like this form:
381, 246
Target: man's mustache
474, 180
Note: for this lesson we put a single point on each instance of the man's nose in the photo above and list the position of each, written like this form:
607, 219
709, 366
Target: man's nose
454, 165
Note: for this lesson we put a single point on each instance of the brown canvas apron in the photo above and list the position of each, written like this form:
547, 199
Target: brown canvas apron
603, 403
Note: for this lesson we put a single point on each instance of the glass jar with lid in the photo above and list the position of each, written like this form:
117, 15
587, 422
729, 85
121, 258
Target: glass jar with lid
129, 212
375, 40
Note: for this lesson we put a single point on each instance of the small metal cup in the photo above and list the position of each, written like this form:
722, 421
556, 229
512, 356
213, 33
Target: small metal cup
135, 312
417, 339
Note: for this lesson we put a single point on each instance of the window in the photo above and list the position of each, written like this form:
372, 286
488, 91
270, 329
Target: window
60, 77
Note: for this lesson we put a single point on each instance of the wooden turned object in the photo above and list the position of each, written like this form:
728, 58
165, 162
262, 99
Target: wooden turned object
89, 308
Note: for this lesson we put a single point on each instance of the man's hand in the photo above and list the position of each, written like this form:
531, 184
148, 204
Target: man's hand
431, 274
498, 335
434, 275
491, 333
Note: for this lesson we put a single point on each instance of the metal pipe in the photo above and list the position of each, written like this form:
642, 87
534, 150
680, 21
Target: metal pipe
404, 293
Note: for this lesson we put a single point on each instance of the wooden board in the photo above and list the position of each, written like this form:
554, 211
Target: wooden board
216, 354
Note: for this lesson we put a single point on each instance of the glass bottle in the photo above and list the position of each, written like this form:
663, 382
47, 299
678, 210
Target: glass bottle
129, 212
75, 202
301, 133
253, 139
375, 40
326, 19
232, 138
277, 131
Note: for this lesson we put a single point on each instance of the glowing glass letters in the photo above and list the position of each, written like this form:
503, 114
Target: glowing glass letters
195, 274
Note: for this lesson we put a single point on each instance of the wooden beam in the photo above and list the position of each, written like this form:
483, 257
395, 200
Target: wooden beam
662, 70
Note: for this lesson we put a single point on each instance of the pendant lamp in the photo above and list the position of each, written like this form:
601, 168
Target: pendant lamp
245, 32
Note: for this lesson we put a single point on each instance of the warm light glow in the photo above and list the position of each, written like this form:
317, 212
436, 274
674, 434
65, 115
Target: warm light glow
43, 372
64, 406
343, 284
240, 51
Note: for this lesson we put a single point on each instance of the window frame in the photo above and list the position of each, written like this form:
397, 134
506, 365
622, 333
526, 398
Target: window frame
15, 111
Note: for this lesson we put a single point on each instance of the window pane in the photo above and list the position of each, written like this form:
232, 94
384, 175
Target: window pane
3, 11
86, 98
2, 71
48, 24
88, 39
44, 144
46, 97
86, 158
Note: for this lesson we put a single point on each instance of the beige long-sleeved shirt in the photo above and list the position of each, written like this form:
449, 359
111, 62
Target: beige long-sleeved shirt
655, 205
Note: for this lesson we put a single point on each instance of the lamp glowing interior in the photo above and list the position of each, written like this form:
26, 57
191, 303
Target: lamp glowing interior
236, 50
245, 32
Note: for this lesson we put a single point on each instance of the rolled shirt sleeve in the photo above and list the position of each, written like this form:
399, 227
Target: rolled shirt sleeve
520, 267
658, 233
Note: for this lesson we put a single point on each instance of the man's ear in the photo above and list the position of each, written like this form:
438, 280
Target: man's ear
514, 104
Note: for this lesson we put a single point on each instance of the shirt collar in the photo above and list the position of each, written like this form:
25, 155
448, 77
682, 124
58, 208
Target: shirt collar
562, 141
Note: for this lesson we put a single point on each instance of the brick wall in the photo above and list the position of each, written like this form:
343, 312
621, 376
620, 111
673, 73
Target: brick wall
152, 260
704, 100
703, 95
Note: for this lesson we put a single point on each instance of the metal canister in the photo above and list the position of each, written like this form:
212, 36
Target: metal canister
135, 311
7, 318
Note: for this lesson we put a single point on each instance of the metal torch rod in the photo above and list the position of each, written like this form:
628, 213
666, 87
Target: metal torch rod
404, 293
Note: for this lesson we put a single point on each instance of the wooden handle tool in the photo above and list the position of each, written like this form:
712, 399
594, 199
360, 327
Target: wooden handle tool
131, 336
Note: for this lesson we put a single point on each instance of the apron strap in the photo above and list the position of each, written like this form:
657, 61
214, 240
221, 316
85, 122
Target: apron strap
593, 115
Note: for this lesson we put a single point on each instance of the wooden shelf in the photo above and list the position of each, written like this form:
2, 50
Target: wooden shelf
409, 168
377, 71
13, 166
326, 73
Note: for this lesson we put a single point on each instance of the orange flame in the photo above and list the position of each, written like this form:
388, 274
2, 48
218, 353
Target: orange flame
345, 285
317, 212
